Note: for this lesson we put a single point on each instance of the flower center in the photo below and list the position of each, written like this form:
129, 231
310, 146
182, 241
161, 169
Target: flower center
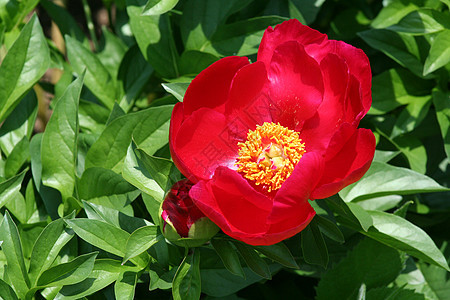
269, 155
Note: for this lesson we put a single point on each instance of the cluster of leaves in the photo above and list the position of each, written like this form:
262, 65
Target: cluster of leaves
79, 200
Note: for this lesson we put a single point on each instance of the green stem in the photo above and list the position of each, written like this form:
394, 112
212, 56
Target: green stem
90, 24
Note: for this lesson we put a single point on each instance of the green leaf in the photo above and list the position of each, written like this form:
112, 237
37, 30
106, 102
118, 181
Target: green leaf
437, 280
350, 213
10, 187
279, 253
17, 158
105, 187
155, 39
92, 116
149, 128
46, 248
125, 285
383, 179
134, 73
12, 249
422, 21
414, 151
192, 62
399, 233
313, 246
68, 273
59, 142
393, 13
411, 116
439, 54
158, 7
305, 11
397, 87
112, 52
6, 292
441, 102
105, 272
114, 217
177, 89
187, 283
140, 240
393, 294
344, 280
400, 47
134, 172
24, 64
330, 229
152, 205
97, 77
162, 170
229, 256
19, 123
253, 260
104, 236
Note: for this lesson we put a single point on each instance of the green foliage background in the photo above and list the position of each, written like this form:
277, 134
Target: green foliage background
86, 94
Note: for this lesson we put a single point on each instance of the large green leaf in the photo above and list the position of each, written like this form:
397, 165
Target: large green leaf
105, 187
104, 236
369, 263
59, 142
399, 233
422, 21
383, 179
97, 77
149, 128
105, 272
140, 240
12, 249
394, 12
401, 47
68, 273
439, 54
47, 247
154, 36
187, 283
124, 288
19, 123
24, 64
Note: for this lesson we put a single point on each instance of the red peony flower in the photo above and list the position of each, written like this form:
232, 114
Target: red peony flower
181, 221
261, 139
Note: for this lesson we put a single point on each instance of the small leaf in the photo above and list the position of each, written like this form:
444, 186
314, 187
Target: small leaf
24, 64
17, 158
140, 240
279, 253
177, 89
313, 246
6, 292
350, 213
330, 229
125, 285
12, 249
59, 142
441, 102
439, 54
229, 256
46, 248
422, 21
10, 187
158, 7
253, 260
187, 283
68, 273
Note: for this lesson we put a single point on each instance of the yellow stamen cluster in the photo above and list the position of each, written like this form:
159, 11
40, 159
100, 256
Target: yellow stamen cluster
269, 155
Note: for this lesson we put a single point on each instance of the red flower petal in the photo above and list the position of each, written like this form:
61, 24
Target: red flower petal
291, 30
201, 144
295, 191
210, 88
296, 85
348, 165
230, 202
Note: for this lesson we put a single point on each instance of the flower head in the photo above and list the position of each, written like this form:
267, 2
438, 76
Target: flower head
259, 140
181, 221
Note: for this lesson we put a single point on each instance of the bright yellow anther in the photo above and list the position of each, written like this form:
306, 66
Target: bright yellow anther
269, 155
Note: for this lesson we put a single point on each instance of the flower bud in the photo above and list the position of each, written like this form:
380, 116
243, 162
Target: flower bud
182, 222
